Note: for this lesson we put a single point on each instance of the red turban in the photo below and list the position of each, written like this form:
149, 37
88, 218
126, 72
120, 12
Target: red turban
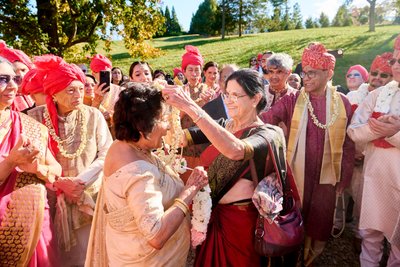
99, 63
361, 70
58, 76
32, 83
14, 55
177, 71
381, 62
317, 57
191, 57
397, 43
259, 56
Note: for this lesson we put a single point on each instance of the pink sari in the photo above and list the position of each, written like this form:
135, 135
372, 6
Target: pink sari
26, 236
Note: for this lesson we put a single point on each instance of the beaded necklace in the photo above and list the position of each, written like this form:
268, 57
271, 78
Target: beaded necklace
60, 143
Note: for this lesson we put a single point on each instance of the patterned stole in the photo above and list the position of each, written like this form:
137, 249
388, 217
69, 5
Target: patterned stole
333, 144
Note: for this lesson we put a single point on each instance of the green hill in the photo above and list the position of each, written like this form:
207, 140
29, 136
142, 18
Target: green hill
359, 45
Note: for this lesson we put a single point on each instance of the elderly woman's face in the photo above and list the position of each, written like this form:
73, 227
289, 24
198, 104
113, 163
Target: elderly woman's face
141, 74
70, 98
354, 80
8, 86
239, 104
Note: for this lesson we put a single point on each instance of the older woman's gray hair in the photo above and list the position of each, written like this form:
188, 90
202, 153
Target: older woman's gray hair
280, 61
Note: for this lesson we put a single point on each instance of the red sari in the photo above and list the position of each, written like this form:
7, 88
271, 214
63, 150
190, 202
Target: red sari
230, 233
26, 236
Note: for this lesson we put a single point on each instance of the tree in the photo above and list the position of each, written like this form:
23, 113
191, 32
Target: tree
203, 21
342, 17
297, 17
56, 26
371, 15
168, 20
175, 26
309, 23
323, 20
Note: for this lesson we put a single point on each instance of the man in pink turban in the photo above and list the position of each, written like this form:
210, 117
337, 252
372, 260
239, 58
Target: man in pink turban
32, 85
22, 64
79, 140
376, 126
318, 151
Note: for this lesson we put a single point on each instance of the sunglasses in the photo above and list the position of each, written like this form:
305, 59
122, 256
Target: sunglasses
355, 75
393, 61
5, 79
382, 75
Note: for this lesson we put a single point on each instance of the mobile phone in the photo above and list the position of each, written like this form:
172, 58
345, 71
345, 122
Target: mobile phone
105, 77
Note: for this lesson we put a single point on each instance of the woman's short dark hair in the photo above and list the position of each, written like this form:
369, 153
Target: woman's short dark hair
136, 111
252, 83
134, 64
209, 65
158, 73
91, 77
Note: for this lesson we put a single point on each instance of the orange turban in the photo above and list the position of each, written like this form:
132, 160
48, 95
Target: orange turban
14, 55
58, 76
177, 71
191, 57
32, 83
99, 63
317, 57
381, 62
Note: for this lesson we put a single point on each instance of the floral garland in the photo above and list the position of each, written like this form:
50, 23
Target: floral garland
169, 154
311, 109
385, 97
358, 96
60, 142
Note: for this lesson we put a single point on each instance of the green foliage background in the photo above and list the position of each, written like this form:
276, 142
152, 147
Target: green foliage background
359, 45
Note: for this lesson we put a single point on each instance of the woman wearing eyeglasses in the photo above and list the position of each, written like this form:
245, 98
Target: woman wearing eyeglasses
79, 140
356, 75
26, 165
230, 233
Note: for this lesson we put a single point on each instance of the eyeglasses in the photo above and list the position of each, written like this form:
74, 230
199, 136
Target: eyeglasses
311, 74
233, 98
5, 79
393, 61
355, 75
381, 74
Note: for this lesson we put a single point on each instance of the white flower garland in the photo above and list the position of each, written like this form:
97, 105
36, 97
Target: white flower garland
169, 154
385, 97
358, 96
201, 215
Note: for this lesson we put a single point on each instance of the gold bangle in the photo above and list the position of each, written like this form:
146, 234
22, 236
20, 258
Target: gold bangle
200, 116
188, 136
181, 207
248, 150
178, 200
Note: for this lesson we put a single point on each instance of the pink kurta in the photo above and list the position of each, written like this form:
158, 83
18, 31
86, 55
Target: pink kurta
380, 209
319, 199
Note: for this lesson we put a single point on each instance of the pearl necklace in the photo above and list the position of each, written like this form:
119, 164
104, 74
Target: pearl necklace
153, 159
311, 109
60, 143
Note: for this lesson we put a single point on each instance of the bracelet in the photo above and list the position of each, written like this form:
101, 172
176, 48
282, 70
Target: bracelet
178, 200
200, 116
182, 208
248, 150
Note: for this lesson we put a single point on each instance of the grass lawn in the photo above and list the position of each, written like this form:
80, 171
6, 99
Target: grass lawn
359, 45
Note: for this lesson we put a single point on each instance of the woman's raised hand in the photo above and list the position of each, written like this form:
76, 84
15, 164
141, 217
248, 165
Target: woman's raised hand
174, 95
198, 178
23, 153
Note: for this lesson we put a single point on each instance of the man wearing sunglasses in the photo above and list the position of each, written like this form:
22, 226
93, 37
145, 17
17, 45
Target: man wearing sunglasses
376, 124
319, 152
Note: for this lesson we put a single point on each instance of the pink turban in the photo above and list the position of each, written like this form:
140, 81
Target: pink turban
177, 71
32, 83
317, 57
191, 57
99, 63
363, 71
14, 55
381, 62
58, 76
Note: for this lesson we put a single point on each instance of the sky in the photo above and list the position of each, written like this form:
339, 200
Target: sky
309, 8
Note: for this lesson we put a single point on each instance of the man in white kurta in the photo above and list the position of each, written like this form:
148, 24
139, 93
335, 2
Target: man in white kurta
376, 123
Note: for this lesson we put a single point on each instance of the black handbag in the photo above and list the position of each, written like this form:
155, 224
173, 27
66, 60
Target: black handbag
286, 233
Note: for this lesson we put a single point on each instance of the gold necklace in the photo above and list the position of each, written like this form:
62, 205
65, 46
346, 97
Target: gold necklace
334, 115
60, 142
153, 159
230, 127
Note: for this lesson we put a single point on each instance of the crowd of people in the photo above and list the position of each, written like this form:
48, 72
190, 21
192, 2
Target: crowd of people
83, 182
